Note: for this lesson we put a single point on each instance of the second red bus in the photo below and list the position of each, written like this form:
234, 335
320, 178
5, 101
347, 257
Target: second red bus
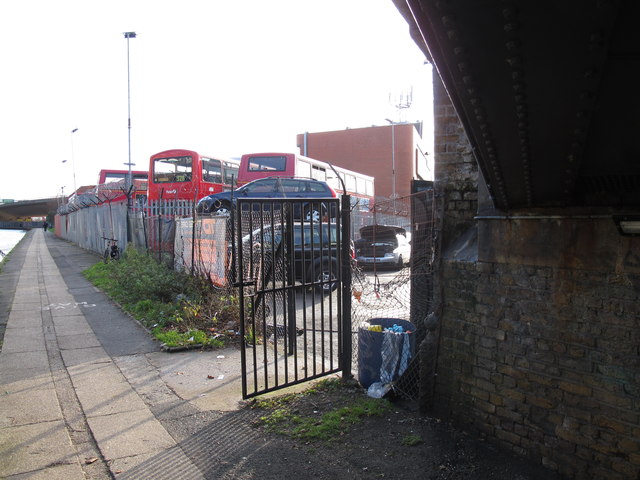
187, 175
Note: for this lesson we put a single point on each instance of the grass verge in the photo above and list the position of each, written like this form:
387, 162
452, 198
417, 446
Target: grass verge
180, 310
324, 412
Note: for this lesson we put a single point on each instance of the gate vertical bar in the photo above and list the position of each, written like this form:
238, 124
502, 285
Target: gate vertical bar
345, 356
238, 281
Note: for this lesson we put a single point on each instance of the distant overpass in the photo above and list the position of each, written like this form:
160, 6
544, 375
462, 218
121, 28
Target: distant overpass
27, 208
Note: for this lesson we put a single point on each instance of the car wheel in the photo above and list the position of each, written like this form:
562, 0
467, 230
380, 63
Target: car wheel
314, 214
327, 279
223, 210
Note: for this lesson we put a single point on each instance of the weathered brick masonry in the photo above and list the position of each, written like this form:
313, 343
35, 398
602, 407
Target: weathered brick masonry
539, 345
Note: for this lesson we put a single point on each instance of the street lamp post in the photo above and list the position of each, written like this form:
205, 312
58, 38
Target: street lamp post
393, 162
73, 160
129, 182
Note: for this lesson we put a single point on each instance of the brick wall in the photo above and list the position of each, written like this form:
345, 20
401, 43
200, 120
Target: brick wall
456, 172
539, 339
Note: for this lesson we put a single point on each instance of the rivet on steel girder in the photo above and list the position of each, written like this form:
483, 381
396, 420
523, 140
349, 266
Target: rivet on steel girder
511, 27
448, 20
509, 13
513, 61
453, 34
513, 44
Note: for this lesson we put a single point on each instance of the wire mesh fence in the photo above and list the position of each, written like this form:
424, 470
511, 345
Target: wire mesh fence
390, 292
391, 275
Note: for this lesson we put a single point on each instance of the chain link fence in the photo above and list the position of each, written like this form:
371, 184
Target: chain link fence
383, 294
387, 294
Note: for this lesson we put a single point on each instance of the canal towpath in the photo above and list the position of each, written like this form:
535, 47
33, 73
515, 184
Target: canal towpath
85, 391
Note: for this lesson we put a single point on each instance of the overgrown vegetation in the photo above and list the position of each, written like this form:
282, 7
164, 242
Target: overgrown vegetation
289, 414
179, 309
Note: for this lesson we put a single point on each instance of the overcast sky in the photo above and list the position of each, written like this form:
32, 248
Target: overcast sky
216, 76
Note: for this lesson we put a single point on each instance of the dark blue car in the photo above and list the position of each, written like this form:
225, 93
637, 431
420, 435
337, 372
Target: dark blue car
269, 188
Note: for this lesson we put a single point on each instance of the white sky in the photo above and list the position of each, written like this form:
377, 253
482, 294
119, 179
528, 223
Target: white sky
216, 76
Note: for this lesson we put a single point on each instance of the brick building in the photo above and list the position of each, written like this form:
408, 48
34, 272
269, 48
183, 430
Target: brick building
374, 151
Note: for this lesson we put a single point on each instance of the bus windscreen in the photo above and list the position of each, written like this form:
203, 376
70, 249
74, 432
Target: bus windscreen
170, 170
264, 164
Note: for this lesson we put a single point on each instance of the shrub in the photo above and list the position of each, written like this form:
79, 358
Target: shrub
179, 308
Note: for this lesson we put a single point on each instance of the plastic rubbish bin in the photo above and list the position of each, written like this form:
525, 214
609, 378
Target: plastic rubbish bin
370, 354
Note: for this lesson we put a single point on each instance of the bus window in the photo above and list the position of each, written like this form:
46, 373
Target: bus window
369, 191
350, 183
319, 173
230, 173
303, 169
170, 170
211, 170
272, 163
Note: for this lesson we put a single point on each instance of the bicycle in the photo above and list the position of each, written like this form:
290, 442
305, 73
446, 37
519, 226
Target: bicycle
112, 252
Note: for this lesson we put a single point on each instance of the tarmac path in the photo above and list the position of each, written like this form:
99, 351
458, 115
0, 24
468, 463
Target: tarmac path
82, 386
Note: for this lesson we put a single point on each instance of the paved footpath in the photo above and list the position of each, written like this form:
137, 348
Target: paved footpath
69, 408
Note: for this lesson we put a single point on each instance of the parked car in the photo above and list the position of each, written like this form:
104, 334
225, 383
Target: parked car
383, 245
268, 188
315, 252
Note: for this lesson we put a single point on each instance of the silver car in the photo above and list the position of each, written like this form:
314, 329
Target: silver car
383, 245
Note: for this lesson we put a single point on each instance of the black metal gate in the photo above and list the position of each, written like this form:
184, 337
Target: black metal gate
293, 277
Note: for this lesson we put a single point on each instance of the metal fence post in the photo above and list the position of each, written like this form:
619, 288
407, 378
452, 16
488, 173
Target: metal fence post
346, 287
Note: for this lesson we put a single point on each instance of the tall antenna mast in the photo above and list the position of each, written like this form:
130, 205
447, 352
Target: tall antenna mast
402, 102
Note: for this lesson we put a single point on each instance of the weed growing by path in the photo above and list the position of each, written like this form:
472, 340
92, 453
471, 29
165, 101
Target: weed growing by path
310, 416
179, 309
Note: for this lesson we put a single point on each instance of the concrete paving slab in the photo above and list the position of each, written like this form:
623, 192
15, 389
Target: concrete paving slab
128, 434
102, 390
169, 465
29, 306
84, 355
24, 381
23, 339
10, 372
33, 359
71, 326
25, 319
54, 472
17, 406
34, 447
75, 341
145, 379
27, 296
209, 379
66, 310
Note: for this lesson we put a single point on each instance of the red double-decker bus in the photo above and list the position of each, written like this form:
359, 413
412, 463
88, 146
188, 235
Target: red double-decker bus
187, 175
113, 184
